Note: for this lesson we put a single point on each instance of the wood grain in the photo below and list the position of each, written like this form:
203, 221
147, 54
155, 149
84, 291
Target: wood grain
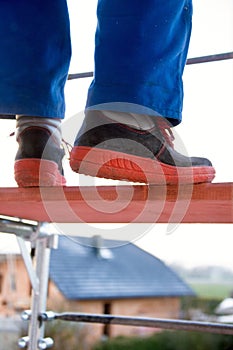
201, 203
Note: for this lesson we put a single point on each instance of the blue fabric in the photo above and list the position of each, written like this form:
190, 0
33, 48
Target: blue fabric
34, 58
141, 50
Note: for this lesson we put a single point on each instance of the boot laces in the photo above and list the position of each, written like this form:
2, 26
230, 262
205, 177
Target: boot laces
165, 129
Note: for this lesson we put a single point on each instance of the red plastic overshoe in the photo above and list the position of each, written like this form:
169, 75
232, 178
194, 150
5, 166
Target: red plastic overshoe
37, 173
121, 166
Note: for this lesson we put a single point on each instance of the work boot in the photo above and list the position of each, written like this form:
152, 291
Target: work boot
38, 161
112, 150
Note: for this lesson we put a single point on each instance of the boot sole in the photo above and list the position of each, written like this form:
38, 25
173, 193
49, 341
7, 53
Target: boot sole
121, 166
37, 173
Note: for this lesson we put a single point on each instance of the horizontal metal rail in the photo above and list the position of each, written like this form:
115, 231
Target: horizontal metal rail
80, 75
195, 60
18, 227
195, 326
211, 58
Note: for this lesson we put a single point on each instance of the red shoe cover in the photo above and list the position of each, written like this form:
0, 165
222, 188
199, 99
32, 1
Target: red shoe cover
37, 173
120, 166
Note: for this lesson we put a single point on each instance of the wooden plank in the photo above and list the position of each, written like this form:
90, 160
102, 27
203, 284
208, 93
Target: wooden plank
201, 203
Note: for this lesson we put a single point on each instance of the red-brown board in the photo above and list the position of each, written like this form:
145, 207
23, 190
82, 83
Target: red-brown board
201, 203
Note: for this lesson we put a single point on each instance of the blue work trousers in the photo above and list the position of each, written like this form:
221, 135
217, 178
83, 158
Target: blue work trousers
140, 53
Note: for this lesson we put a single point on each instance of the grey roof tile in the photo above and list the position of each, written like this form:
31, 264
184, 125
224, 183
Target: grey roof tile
81, 274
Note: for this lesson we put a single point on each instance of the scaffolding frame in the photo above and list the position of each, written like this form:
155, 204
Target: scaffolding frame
38, 271
42, 240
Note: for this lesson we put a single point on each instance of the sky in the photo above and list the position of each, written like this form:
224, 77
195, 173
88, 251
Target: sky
206, 129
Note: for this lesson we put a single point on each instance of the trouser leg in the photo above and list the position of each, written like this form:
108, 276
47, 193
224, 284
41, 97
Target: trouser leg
35, 56
141, 50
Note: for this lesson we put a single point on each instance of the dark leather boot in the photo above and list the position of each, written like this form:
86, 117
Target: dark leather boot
104, 148
38, 161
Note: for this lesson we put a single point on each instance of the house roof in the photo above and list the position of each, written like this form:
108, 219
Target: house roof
81, 271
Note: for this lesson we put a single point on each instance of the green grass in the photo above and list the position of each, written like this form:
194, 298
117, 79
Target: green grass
170, 341
212, 290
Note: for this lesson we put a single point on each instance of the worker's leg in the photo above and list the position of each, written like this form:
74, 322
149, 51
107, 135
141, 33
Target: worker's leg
34, 62
35, 56
141, 49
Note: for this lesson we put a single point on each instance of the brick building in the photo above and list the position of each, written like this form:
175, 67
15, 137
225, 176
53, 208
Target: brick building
98, 276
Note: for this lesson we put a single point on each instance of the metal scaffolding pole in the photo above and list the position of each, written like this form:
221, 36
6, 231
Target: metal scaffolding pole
172, 324
39, 295
194, 60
